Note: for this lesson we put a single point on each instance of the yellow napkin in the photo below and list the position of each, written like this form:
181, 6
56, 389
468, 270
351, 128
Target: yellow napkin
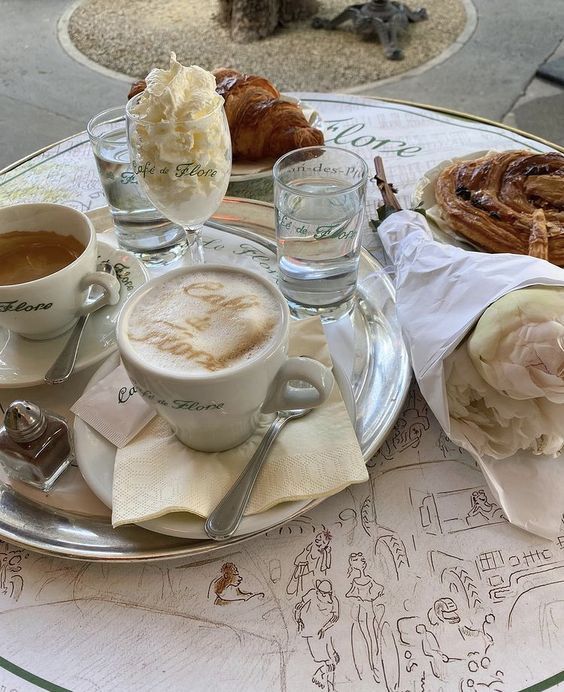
313, 457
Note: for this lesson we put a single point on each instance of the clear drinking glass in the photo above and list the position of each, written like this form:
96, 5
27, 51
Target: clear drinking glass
183, 166
139, 227
319, 195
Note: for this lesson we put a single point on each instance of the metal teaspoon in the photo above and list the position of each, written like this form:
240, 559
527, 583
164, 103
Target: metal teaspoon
64, 364
226, 517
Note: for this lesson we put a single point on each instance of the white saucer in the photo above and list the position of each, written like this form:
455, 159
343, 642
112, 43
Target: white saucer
96, 456
23, 363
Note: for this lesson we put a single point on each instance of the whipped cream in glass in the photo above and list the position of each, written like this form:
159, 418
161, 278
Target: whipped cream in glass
180, 145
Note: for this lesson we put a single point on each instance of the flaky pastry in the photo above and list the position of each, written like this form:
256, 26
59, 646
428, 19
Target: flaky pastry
507, 202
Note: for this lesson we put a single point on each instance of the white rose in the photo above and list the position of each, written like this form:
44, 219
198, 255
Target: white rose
495, 424
518, 344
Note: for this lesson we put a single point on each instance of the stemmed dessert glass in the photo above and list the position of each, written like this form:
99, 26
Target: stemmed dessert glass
183, 167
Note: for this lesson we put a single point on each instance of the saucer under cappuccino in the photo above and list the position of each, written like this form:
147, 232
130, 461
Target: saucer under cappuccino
205, 321
30, 255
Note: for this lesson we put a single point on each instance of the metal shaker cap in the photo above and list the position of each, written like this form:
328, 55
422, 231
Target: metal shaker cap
24, 421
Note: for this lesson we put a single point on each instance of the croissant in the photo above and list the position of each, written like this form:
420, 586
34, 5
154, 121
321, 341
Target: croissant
262, 123
507, 202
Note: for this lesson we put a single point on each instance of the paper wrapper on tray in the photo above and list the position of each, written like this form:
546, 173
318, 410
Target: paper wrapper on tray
441, 293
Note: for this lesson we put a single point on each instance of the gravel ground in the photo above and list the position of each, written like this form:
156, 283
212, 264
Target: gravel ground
134, 36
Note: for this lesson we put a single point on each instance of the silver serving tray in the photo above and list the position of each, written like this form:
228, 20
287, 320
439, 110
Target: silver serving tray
380, 375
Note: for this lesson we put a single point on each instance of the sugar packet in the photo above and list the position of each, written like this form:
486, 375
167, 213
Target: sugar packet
114, 408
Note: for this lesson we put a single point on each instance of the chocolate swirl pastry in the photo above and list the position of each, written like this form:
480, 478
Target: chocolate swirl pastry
507, 202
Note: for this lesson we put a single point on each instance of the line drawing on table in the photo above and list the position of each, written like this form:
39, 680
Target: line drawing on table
348, 520
367, 612
521, 580
367, 515
445, 618
274, 570
408, 429
316, 613
200, 624
11, 579
301, 525
389, 548
226, 586
389, 656
313, 560
392, 555
448, 447
96, 583
549, 608
453, 511
454, 573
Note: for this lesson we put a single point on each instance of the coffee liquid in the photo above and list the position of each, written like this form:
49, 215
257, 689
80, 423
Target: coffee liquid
204, 322
29, 255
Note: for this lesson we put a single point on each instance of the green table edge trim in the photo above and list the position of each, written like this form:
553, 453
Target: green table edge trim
546, 684
30, 677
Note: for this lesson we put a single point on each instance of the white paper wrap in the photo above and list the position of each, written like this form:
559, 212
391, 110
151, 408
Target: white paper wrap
441, 293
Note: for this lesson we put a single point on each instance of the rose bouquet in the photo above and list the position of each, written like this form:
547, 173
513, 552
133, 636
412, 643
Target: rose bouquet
486, 338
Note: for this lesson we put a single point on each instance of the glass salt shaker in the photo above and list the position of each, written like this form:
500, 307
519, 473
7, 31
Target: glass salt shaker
35, 444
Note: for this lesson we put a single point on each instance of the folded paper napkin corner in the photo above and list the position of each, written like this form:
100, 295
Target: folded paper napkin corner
314, 457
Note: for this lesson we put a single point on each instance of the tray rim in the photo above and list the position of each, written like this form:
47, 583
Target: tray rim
183, 548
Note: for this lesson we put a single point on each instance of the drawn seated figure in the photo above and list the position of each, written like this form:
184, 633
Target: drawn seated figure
482, 511
446, 621
382, 19
226, 587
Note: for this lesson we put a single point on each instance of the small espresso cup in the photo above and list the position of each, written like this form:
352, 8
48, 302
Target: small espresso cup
215, 411
45, 307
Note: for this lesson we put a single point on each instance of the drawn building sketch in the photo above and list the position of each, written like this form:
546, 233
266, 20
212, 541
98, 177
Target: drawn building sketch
454, 510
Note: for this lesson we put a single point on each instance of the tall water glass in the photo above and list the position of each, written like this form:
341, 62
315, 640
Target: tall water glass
183, 166
319, 195
139, 227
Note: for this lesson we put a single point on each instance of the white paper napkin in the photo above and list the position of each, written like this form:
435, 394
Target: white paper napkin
313, 457
441, 293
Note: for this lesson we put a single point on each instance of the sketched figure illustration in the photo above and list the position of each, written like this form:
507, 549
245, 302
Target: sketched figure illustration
480, 507
314, 560
366, 613
315, 614
445, 619
226, 587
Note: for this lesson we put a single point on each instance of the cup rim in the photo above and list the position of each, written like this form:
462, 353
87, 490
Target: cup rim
139, 119
304, 193
116, 109
91, 240
126, 349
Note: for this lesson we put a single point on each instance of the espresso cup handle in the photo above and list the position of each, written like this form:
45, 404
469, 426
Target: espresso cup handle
110, 291
283, 397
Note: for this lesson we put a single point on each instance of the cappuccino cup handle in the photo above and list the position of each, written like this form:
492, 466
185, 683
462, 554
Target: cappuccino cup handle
282, 396
110, 291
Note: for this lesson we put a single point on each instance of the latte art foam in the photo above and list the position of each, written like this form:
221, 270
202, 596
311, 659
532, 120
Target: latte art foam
204, 322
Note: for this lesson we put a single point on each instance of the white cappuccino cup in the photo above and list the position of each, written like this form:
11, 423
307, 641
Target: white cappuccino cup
207, 347
42, 308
